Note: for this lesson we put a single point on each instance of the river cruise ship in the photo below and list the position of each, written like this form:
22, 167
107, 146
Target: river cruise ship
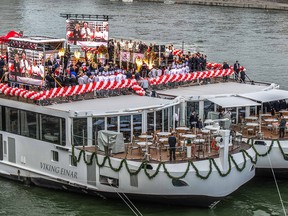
253, 111
119, 145
110, 137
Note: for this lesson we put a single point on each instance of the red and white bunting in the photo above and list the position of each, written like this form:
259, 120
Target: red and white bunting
215, 71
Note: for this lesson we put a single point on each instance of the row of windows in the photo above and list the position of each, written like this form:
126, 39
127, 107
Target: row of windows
129, 125
34, 125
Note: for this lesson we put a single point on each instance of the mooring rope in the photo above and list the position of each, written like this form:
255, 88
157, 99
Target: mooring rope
277, 187
135, 208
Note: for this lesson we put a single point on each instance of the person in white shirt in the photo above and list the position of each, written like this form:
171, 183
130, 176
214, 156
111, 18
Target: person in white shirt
86, 32
42, 68
24, 65
98, 35
35, 69
176, 118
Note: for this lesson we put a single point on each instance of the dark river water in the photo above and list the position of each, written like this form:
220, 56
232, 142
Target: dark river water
258, 39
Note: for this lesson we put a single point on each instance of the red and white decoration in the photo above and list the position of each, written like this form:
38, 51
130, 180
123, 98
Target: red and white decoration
71, 90
89, 49
190, 76
177, 52
108, 85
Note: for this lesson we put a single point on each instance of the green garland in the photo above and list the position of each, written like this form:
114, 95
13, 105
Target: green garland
144, 164
162, 164
285, 156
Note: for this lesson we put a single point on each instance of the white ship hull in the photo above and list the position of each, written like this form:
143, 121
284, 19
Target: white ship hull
271, 154
38, 169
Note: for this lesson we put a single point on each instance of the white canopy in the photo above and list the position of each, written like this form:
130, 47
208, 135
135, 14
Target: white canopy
266, 96
233, 101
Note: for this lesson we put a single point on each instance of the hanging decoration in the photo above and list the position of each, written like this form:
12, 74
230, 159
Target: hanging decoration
216, 71
143, 166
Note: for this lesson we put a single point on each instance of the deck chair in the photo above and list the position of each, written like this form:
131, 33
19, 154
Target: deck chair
134, 146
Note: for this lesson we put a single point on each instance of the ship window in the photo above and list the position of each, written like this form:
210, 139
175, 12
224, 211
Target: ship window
179, 183
159, 118
150, 122
80, 131
73, 160
55, 156
112, 123
137, 128
52, 129
98, 124
12, 123
29, 124
125, 127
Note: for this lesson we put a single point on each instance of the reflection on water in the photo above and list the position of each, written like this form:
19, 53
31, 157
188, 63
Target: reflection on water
257, 198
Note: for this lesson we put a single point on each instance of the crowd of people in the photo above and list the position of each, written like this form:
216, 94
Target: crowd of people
61, 72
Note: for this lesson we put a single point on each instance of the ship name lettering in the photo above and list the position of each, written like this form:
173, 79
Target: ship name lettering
58, 170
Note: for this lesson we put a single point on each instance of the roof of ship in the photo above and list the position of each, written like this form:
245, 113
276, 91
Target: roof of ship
213, 90
117, 105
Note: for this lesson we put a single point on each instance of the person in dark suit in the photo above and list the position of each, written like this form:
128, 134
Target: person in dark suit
76, 33
236, 70
172, 146
193, 120
282, 127
225, 66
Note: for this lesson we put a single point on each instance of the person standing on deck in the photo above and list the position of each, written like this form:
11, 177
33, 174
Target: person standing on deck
193, 120
236, 70
242, 76
282, 127
176, 117
225, 66
172, 146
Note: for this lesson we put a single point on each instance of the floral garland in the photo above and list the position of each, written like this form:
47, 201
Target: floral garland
144, 164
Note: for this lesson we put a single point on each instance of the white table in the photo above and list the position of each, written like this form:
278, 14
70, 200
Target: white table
145, 136
253, 124
199, 141
254, 118
162, 140
163, 133
212, 128
271, 120
189, 136
265, 115
183, 128
144, 143
205, 131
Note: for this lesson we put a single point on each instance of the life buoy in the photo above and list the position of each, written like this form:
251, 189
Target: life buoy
214, 145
